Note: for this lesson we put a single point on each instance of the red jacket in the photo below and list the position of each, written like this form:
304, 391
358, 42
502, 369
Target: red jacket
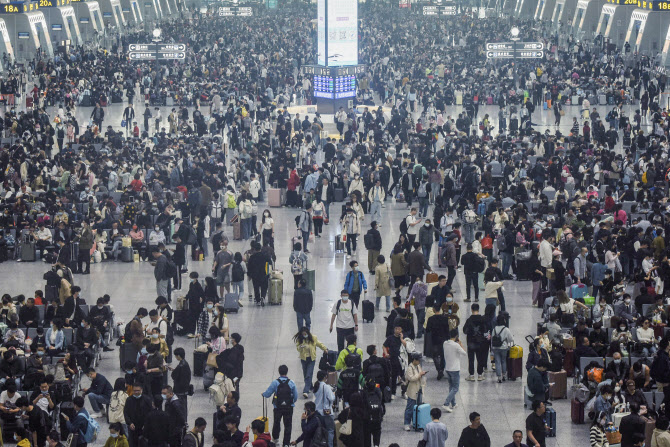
293, 181
261, 441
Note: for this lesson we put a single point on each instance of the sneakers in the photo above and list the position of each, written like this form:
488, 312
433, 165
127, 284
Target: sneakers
96, 415
499, 380
276, 441
470, 378
305, 395
467, 300
407, 428
481, 378
392, 396
440, 375
107, 349
191, 335
447, 408
239, 303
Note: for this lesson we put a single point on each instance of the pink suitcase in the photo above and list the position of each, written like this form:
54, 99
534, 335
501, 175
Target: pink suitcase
274, 197
489, 100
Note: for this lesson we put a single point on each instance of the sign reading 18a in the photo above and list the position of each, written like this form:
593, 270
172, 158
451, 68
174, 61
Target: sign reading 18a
10, 8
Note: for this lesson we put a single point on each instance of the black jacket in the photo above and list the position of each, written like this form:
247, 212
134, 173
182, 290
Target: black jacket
155, 425
29, 314
176, 414
631, 424
472, 262
231, 362
376, 244
303, 300
101, 386
181, 376
136, 410
330, 192
86, 336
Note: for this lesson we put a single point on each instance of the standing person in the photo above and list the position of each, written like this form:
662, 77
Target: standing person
161, 274
501, 342
285, 394
373, 243
376, 197
345, 318
536, 428
310, 421
86, 239
435, 434
135, 411
427, 237
258, 267
453, 352
374, 403
450, 259
474, 435
128, 117
473, 265
355, 283
306, 344
195, 437
303, 302
392, 346
417, 265
415, 384
351, 227
157, 425
477, 330
383, 282
181, 376
222, 266
305, 224
298, 261
412, 223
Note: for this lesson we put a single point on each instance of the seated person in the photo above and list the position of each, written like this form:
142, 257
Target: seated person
618, 369
14, 337
42, 397
70, 362
599, 339
101, 318
34, 368
657, 313
8, 408
632, 394
11, 369
640, 373
55, 338
29, 315
85, 342
645, 337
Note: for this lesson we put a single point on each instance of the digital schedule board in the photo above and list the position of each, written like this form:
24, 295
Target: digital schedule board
337, 31
334, 87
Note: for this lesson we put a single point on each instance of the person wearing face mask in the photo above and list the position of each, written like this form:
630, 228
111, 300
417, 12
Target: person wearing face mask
99, 392
85, 239
157, 340
603, 404
617, 369
21, 437
597, 435
84, 342
117, 437
156, 237
34, 368
42, 397
101, 318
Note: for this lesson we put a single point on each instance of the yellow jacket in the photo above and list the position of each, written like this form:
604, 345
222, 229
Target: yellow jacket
119, 441
344, 353
308, 350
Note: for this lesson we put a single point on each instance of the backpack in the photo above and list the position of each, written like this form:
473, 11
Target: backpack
296, 266
231, 203
171, 268
375, 373
481, 265
320, 437
283, 397
403, 225
349, 378
501, 243
237, 272
470, 216
375, 406
92, 429
422, 190
367, 241
192, 237
352, 359
496, 340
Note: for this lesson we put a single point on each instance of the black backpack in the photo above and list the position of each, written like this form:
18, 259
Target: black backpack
320, 437
403, 225
367, 240
237, 272
283, 397
496, 340
352, 359
375, 406
170, 268
375, 373
349, 378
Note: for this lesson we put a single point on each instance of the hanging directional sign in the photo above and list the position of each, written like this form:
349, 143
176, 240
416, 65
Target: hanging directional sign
510, 46
157, 47
519, 54
152, 56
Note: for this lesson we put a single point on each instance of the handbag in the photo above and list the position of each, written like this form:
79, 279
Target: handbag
123, 123
345, 429
391, 279
211, 360
344, 238
126, 241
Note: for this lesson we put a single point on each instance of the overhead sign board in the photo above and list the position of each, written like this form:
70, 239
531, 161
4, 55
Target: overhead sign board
236, 11
511, 54
439, 10
152, 56
160, 47
510, 46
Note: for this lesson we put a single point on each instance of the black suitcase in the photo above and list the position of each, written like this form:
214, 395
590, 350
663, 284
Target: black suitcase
127, 352
523, 269
180, 327
231, 303
74, 257
368, 311
199, 360
66, 408
127, 254
339, 194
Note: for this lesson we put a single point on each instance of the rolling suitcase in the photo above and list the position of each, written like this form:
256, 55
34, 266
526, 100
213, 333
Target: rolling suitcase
559, 390
578, 291
514, 368
310, 277
197, 254
264, 418
328, 360
199, 360
577, 411
237, 231
339, 194
569, 362
523, 269
74, 257
230, 303
542, 297
368, 311
274, 197
127, 254
275, 291
550, 421
28, 251
127, 352
420, 416
67, 409
339, 245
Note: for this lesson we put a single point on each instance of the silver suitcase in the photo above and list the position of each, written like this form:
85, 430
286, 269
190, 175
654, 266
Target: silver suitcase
275, 291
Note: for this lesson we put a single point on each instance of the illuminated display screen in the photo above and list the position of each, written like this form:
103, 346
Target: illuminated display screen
338, 87
663, 5
337, 32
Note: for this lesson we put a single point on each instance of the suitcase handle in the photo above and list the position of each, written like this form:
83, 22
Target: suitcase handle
265, 407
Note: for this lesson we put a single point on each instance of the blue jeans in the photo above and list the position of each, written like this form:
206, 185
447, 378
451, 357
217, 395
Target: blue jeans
469, 230
238, 287
500, 357
388, 302
434, 191
376, 211
17, 381
97, 402
305, 239
454, 378
409, 409
420, 317
246, 228
426, 251
116, 249
506, 262
423, 206
303, 318
307, 373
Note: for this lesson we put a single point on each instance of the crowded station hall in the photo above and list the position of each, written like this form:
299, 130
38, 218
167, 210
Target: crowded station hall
334, 223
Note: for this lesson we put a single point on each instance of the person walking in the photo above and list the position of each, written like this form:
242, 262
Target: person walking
383, 279
284, 396
162, 275
135, 411
351, 227
536, 427
310, 421
306, 344
373, 243
435, 433
355, 283
344, 317
376, 197
477, 330
501, 342
453, 352
303, 302
473, 265
475, 434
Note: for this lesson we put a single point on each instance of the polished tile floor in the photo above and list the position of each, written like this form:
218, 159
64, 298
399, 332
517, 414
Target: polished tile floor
267, 332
